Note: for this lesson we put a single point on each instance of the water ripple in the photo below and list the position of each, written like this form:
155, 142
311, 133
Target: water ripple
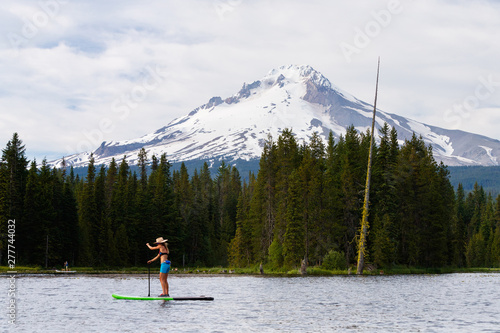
412, 303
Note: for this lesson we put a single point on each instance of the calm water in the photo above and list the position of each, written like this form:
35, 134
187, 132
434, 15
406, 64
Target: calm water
416, 303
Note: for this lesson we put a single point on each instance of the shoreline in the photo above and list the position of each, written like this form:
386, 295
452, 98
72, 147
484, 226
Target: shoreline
220, 271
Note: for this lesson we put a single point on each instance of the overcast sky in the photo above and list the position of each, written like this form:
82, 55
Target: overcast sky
76, 73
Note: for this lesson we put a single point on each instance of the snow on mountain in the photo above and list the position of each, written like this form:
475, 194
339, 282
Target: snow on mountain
295, 97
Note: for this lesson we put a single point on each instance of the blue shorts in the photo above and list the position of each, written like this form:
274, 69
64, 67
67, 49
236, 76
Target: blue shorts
165, 267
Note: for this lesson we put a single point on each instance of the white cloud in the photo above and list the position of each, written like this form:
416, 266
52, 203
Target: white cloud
62, 80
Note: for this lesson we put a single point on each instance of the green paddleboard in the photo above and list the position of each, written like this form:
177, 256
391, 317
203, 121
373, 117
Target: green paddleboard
156, 298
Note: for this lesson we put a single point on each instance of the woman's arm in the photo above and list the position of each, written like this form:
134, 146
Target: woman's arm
153, 247
155, 258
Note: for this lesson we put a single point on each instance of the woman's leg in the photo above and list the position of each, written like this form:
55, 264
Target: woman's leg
162, 282
166, 284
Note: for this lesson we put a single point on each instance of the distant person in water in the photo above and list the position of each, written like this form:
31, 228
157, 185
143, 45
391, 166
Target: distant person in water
66, 267
161, 246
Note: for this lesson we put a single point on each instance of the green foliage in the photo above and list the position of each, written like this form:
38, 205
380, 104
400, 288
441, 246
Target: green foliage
476, 251
305, 200
334, 260
383, 249
487, 177
240, 249
294, 238
495, 249
276, 254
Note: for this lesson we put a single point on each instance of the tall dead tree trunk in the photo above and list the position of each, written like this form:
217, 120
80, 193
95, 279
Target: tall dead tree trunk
364, 221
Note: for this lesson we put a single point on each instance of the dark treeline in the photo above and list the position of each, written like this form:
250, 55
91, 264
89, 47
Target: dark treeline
469, 176
305, 204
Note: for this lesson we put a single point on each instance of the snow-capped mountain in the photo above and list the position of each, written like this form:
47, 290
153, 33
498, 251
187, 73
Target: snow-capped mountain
294, 97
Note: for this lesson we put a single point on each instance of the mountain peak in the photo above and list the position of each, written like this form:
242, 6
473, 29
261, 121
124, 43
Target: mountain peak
298, 73
300, 80
292, 96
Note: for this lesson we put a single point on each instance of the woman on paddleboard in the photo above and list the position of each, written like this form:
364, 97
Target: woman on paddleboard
161, 246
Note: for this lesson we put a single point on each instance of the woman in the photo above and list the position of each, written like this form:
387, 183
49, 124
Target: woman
165, 263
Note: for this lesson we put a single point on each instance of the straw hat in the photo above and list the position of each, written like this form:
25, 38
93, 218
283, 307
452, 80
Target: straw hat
160, 240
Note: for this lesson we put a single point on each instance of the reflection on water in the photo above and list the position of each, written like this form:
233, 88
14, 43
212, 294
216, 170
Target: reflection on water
410, 303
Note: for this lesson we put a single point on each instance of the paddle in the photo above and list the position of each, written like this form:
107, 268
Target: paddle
149, 281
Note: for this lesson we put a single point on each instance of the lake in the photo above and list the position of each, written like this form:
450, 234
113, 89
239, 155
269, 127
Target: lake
402, 303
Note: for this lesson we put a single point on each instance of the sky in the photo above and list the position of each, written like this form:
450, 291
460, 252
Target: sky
77, 73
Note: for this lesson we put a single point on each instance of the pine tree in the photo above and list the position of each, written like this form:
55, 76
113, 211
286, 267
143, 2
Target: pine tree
476, 251
133, 225
13, 177
441, 216
240, 249
497, 212
87, 215
207, 200
142, 163
495, 249
351, 189
459, 228
474, 207
145, 212
184, 205
487, 229
99, 231
410, 187
68, 216
288, 160
201, 251
311, 178
30, 229
223, 194
123, 246
14, 164
162, 208
495, 244
107, 243
383, 250
333, 227
294, 237
384, 181
47, 217
263, 203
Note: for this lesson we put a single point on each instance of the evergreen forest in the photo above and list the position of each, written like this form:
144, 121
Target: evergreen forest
303, 206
